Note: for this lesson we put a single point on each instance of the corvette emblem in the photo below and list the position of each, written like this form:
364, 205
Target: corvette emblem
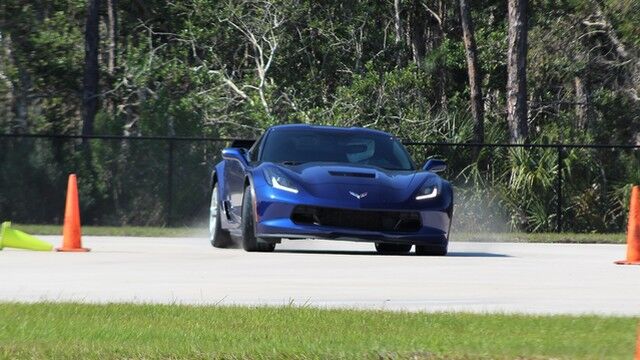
358, 196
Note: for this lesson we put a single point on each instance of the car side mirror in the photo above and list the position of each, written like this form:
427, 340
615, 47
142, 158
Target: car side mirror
435, 165
237, 154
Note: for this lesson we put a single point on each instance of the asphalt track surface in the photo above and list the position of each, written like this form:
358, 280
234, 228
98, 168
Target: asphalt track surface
474, 277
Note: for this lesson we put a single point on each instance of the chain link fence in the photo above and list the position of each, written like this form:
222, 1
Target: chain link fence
145, 181
162, 181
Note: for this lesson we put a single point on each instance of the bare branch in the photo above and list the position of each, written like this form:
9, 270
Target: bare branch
434, 14
263, 40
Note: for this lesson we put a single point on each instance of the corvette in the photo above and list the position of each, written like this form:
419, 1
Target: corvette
320, 182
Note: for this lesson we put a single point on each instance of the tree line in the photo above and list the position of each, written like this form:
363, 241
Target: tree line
233, 67
519, 71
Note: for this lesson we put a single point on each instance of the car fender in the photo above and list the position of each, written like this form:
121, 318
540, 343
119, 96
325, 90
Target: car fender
248, 182
217, 176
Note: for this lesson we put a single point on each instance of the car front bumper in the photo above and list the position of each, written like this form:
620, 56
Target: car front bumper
274, 221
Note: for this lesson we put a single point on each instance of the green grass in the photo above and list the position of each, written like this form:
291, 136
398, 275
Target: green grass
145, 231
567, 238
71, 331
588, 238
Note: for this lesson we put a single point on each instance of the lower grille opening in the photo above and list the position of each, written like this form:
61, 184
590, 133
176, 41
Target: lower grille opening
370, 220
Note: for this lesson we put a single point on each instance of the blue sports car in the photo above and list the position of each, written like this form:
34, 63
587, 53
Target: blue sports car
320, 182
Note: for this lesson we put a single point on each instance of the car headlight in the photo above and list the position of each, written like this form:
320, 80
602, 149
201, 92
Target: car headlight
428, 192
278, 180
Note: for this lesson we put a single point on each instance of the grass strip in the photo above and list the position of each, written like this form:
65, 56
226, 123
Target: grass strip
140, 231
564, 238
148, 231
73, 331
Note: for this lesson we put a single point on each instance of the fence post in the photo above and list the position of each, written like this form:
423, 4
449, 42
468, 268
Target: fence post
559, 191
169, 183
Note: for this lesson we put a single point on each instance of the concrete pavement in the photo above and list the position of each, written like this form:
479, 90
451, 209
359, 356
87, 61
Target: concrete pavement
476, 277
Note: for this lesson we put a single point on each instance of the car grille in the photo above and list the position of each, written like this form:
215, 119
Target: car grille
370, 220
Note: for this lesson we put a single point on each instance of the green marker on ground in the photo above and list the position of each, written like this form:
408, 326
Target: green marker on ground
17, 239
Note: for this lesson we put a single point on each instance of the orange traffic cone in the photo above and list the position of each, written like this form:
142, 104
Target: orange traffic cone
633, 230
71, 234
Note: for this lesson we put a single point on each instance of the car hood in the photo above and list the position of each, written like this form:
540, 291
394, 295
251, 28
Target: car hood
322, 173
344, 185
345, 174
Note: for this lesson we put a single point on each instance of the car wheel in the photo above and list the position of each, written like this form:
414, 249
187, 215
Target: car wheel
431, 250
249, 240
392, 249
218, 237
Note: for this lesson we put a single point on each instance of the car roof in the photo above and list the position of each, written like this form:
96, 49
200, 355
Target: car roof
328, 128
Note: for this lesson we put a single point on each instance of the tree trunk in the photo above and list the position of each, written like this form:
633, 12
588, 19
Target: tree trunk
112, 28
91, 69
5, 103
112, 20
417, 24
582, 103
471, 52
397, 20
516, 71
21, 101
437, 37
90, 85
6, 113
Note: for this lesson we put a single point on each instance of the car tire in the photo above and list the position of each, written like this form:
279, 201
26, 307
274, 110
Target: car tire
218, 237
392, 249
249, 240
431, 250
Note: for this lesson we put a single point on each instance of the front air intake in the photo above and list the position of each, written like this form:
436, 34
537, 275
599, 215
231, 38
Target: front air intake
352, 174
368, 220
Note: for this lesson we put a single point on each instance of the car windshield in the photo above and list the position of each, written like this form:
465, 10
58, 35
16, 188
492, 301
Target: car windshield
297, 146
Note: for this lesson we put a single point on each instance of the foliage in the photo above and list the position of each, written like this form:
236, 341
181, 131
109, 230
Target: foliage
232, 68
